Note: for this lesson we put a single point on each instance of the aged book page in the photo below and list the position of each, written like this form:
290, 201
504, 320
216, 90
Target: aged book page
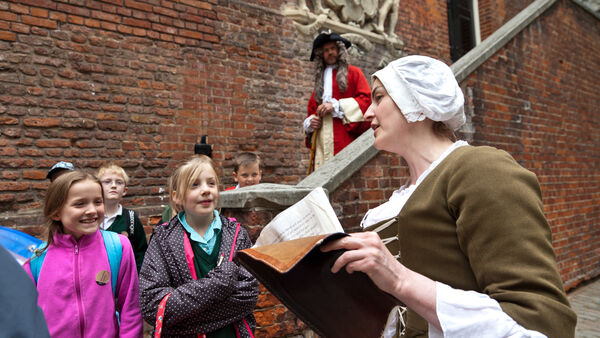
313, 215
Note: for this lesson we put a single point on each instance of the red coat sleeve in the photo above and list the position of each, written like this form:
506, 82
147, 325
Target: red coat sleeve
312, 105
312, 110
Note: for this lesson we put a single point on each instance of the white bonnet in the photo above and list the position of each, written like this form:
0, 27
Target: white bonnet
423, 87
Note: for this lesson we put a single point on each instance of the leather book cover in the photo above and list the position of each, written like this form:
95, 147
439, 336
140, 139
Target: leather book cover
332, 305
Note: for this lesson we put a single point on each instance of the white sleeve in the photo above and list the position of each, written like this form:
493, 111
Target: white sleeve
338, 113
306, 125
473, 314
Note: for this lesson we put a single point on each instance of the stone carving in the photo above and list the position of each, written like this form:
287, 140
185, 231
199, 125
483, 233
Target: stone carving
388, 11
363, 22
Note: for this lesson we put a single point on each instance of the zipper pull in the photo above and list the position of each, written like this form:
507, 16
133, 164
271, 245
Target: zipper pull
76, 249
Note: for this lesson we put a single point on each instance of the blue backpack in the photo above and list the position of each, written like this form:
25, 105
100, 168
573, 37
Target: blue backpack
113, 249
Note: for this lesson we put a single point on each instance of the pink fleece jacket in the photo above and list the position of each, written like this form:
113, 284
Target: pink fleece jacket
74, 304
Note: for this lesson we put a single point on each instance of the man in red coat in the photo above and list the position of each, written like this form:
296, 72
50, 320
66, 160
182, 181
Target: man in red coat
341, 97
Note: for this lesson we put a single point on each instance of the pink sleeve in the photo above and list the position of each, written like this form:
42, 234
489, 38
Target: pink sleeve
128, 303
27, 268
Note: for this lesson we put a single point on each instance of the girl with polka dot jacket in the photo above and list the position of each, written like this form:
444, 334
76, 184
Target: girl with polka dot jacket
189, 284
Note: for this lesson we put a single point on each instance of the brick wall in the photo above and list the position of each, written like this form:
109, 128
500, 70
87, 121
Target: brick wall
537, 98
138, 82
493, 14
127, 81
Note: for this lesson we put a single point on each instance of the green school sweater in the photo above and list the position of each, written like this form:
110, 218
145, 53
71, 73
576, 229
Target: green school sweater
138, 240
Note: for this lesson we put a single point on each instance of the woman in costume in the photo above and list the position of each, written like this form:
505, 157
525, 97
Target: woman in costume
471, 249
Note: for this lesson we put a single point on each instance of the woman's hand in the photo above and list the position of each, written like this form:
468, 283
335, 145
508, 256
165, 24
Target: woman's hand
367, 253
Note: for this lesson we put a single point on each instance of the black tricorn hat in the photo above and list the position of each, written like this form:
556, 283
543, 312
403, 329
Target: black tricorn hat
325, 37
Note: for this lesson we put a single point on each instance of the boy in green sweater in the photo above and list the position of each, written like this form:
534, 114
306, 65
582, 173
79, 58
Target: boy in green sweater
117, 218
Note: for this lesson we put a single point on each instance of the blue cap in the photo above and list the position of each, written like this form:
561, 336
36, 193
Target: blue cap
60, 165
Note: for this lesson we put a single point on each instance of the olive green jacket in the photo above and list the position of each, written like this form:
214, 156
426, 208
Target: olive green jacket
476, 222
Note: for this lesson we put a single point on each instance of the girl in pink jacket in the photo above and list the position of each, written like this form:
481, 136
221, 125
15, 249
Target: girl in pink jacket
74, 281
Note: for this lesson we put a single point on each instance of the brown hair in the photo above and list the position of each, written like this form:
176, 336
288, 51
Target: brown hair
183, 177
441, 129
245, 159
56, 197
342, 70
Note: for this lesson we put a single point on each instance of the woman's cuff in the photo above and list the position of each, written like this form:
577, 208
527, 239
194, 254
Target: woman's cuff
472, 314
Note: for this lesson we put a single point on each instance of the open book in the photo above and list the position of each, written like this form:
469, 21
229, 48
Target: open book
288, 261
311, 216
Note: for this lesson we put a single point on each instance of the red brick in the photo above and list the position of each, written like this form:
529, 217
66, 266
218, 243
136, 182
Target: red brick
10, 175
39, 12
165, 11
40, 122
75, 19
93, 23
56, 143
124, 29
138, 5
29, 20
6, 197
136, 23
8, 16
108, 26
7, 36
19, 8
191, 34
139, 32
197, 4
211, 38
31, 152
35, 174
61, 17
8, 151
14, 186
39, 3
7, 120
106, 16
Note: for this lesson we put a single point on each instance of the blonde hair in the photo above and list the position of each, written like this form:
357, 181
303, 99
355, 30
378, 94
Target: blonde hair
184, 176
113, 168
56, 197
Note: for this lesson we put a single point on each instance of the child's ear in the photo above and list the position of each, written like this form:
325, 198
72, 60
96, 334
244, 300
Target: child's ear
174, 197
235, 177
124, 191
55, 217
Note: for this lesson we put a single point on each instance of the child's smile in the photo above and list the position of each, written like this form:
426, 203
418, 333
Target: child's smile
83, 210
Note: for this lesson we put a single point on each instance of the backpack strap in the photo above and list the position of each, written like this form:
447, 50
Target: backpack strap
247, 327
237, 231
114, 250
35, 263
131, 215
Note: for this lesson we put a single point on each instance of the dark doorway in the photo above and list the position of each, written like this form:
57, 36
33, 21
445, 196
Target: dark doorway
460, 27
